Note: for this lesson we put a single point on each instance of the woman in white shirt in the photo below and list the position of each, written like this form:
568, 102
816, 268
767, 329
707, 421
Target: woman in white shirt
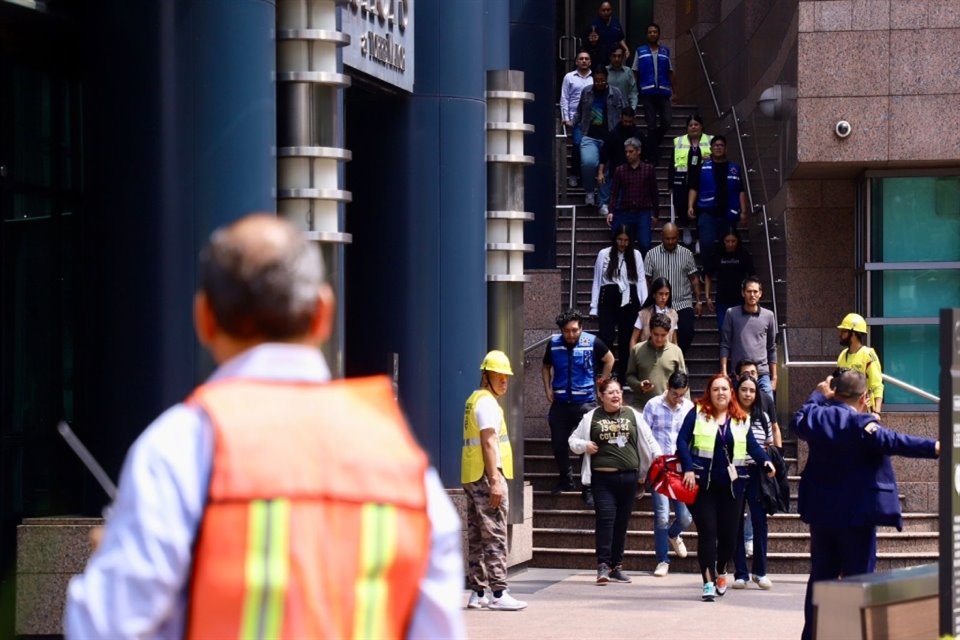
618, 287
660, 301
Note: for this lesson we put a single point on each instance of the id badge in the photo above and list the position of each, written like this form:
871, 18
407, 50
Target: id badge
732, 472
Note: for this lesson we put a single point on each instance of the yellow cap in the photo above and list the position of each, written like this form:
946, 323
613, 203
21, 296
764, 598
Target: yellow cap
853, 322
496, 361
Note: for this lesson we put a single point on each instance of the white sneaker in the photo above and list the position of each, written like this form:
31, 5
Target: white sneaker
604, 210
663, 568
678, 547
506, 602
739, 583
748, 547
763, 582
687, 237
477, 601
573, 181
591, 199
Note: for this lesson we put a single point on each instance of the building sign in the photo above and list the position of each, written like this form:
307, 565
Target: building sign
381, 39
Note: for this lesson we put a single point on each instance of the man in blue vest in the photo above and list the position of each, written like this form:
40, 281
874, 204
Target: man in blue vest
570, 383
717, 200
848, 487
655, 85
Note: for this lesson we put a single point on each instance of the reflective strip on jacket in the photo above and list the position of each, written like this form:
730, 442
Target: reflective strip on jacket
573, 379
471, 460
705, 431
707, 193
316, 520
681, 151
643, 65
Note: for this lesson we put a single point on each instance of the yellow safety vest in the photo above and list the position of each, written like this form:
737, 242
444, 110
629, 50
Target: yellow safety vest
681, 151
705, 436
471, 462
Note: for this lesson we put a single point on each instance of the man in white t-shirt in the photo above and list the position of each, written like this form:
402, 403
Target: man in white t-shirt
486, 465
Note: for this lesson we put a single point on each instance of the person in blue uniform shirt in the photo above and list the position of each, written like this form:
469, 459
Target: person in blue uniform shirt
848, 487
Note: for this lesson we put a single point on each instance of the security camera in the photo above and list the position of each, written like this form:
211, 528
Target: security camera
842, 129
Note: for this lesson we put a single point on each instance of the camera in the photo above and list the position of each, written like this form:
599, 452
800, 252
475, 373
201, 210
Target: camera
842, 129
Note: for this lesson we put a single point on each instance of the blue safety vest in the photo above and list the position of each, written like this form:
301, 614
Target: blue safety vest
573, 379
707, 194
643, 64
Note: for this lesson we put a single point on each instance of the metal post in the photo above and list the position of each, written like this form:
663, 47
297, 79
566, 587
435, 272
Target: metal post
949, 491
310, 138
505, 248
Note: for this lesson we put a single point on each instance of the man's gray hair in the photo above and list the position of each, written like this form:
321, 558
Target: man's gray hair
849, 384
632, 142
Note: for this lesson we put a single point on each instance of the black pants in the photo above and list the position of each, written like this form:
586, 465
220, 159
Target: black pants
686, 320
717, 514
613, 498
654, 106
616, 325
563, 419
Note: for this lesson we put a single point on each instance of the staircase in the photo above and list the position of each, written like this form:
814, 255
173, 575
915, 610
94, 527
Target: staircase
563, 534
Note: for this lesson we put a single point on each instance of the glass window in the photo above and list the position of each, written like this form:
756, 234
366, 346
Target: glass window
913, 219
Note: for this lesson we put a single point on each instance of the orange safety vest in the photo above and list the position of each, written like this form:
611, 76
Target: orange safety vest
316, 520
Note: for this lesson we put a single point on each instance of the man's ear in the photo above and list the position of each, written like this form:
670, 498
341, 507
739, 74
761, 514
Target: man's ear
203, 321
322, 325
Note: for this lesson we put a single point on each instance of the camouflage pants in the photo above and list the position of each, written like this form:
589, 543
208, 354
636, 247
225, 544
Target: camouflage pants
486, 538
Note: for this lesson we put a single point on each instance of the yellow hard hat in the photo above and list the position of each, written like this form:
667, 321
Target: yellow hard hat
853, 322
496, 361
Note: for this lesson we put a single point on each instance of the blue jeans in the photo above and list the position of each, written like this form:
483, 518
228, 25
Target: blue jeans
639, 226
764, 384
721, 314
589, 161
759, 520
711, 229
662, 529
614, 493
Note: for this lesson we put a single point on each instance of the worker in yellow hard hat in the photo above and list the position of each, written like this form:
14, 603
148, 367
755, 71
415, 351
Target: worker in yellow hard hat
485, 467
859, 357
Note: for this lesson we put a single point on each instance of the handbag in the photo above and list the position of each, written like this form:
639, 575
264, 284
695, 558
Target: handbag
666, 478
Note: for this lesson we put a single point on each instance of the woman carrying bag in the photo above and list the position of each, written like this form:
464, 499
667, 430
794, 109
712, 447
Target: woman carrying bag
713, 446
618, 448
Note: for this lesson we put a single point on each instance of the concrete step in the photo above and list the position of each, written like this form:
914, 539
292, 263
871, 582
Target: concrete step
544, 463
645, 560
541, 447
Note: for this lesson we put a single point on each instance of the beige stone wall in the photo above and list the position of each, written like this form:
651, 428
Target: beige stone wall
889, 68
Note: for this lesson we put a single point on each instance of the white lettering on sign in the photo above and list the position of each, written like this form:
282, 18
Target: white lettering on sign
382, 44
384, 11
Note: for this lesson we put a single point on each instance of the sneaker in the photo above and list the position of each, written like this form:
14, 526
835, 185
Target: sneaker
587, 497
687, 237
763, 582
739, 583
709, 593
678, 547
604, 210
561, 486
591, 199
477, 601
748, 547
617, 575
663, 568
721, 584
573, 181
603, 574
506, 602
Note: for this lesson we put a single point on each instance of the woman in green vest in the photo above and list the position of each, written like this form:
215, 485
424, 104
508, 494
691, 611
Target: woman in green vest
618, 447
713, 446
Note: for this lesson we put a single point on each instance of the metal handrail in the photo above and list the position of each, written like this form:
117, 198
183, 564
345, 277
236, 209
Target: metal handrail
573, 251
538, 343
706, 74
811, 364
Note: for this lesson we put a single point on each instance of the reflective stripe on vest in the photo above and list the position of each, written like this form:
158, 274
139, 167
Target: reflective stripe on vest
471, 458
681, 151
573, 378
705, 437
316, 518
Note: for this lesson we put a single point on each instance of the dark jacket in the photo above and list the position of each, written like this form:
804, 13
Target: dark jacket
775, 492
849, 480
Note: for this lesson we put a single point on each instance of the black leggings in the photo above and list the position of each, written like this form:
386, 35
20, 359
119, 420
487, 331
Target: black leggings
717, 514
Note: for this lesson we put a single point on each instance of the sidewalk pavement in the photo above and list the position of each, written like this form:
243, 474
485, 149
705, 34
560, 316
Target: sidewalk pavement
566, 603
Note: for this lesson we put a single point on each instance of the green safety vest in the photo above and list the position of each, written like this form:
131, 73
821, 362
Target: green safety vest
705, 437
681, 151
471, 462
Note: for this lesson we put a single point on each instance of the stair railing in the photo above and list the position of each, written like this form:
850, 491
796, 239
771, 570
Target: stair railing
906, 386
573, 252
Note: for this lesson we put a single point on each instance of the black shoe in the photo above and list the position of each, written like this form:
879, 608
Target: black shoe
617, 575
603, 574
563, 485
587, 497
